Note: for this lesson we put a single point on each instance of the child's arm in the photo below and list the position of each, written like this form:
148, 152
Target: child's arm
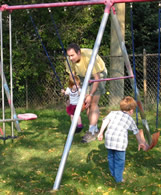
141, 141
64, 92
79, 90
103, 126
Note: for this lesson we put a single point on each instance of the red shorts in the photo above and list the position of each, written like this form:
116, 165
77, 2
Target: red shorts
71, 109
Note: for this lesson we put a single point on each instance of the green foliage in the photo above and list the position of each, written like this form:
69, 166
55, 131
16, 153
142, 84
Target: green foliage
145, 25
78, 24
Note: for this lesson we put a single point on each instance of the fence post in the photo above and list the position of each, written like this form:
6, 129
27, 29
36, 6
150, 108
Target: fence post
27, 96
145, 77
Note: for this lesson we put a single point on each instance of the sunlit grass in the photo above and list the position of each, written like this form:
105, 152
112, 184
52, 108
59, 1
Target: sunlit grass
30, 162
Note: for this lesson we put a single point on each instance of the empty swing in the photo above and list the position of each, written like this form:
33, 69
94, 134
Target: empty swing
9, 92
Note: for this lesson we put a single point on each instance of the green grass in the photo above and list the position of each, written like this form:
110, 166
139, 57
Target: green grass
29, 164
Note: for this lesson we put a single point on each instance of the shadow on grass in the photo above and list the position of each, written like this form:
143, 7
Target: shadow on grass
29, 165
141, 169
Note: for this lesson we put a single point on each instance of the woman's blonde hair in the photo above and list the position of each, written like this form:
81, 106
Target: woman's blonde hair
128, 103
71, 81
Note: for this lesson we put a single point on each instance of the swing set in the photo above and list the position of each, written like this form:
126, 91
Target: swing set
9, 92
109, 9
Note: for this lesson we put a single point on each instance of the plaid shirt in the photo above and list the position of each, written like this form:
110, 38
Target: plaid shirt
116, 135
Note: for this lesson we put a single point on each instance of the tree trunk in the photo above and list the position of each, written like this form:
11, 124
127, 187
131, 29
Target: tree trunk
117, 62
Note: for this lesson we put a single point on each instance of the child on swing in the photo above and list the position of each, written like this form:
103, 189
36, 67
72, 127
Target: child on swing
73, 91
116, 136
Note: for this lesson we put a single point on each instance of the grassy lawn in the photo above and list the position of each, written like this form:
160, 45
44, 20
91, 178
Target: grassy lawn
29, 164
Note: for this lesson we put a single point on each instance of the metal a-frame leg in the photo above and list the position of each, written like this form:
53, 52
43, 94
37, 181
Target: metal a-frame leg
7, 92
4, 82
81, 99
130, 72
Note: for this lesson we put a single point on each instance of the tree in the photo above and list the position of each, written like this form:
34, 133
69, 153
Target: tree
145, 20
117, 61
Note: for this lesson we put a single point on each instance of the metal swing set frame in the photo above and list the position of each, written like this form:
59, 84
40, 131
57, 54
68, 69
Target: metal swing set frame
109, 8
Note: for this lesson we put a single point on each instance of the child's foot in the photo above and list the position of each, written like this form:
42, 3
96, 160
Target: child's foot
78, 129
120, 182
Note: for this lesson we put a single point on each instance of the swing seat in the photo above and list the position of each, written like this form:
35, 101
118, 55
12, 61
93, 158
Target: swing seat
27, 116
155, 138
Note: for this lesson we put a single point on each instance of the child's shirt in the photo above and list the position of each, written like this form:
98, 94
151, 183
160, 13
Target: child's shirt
73, 95
116, 135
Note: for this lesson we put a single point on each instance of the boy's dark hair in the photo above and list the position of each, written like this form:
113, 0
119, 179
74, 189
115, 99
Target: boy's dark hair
73, 46
128, 103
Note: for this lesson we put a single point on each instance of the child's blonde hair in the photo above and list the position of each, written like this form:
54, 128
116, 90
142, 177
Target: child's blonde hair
128, 103
71, 81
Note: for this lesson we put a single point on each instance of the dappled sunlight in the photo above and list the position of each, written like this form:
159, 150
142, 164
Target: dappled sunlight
30, 163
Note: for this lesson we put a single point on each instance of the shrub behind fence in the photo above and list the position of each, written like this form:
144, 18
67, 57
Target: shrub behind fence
46, 92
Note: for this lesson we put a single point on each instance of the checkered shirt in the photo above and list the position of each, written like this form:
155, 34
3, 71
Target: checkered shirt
116, 135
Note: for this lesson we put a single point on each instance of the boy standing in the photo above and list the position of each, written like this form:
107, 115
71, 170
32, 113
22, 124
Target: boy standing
116, 136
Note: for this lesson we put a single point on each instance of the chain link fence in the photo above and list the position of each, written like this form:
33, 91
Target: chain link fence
46, 93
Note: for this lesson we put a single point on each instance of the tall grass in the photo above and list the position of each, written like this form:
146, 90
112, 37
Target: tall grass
30, 162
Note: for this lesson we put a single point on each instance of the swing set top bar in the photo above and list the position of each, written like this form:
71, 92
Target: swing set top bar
6, 7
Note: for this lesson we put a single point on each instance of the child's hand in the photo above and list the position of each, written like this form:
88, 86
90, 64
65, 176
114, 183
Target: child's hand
146, 147
100, 136
143, 146
62, 91
142, 142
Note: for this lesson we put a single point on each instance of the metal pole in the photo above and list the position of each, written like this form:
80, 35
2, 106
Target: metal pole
131, 1
4, 82
47, 5
7, 91
67, 4
121, 41
158, 79
2, 78
145, 77
81, 100
129, 69
111, 79
11, 75
11, 120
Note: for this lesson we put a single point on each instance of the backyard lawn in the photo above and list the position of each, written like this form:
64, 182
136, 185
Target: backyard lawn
30, 162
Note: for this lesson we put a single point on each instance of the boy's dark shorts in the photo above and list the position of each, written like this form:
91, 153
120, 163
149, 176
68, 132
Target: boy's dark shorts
101, 87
